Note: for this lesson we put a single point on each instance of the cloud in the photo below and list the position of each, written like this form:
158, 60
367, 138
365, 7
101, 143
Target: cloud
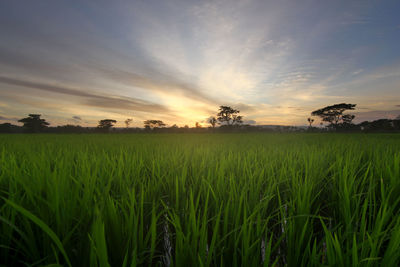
77, 118
375, 115
244, 107
2, 118
17, 60
156, 80
250, 122
357, 72
90, 99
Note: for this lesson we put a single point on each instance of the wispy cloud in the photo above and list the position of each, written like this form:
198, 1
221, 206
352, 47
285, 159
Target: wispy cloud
376, 114
156, 80
3, 118
91, 99
357, 71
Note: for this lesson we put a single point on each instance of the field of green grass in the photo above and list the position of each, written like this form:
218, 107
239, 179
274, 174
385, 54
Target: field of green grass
200, 200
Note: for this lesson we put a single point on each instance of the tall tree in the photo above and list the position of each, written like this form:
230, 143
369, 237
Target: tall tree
334, 114
106, 124
310, 121
213, 121
228, 116
34, 123
128, 122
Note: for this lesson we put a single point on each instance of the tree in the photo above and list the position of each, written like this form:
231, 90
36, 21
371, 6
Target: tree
9, 128
106, 124
310, 121
348, 118
34, 123
150, 124
212, 121
228, 116
334, 114
381, 125
197, 125
127, 122
396, 123
69, 129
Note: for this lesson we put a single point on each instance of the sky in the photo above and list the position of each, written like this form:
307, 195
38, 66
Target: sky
77, 62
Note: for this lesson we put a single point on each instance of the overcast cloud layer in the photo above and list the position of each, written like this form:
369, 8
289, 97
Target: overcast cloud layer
81, 61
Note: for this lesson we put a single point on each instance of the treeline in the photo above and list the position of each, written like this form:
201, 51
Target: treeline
332, 118
339, 121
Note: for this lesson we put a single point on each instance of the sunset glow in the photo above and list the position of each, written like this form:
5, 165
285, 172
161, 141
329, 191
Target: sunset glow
76, 62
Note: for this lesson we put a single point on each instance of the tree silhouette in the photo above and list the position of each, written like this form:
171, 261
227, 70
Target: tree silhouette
310, 121
334, 114
197, 125
68, 128
348, 118
106, 124
212, 121
378, 125
128, 122
8, 128
228, 116
34, 123
150, 124
396, 123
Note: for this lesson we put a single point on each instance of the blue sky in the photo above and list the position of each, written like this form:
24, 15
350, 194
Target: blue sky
78, 62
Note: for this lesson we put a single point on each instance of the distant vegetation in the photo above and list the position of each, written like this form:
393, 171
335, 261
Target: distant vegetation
228, 116
33, 123
335, 117
106, 124
332, 118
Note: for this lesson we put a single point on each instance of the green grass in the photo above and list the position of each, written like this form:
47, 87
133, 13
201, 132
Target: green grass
200, 200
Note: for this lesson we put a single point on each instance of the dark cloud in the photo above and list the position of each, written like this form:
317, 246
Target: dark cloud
153, 78
2, 118
90, 99
143, 71
376, 114
156, 80
298, 108
20, 61
77, 118
244, 107
364, 108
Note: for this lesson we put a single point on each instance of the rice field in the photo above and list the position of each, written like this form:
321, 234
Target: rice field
200, 200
